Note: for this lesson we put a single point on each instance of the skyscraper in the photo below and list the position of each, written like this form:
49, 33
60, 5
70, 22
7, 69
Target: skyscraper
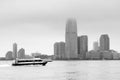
21, 53
104, 42
71, 39
95, 46
14, 50
82, 46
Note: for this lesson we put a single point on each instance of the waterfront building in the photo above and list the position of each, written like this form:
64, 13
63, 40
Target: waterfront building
56, 50
62, 50
107, 55
71, 39
21, 53
37, 54
95, 46
104, 42
82, 46
116, 56
9, 55
28, 57
59, 50
14, 50
93, 55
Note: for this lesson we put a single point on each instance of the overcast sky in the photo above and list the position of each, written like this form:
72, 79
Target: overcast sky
37, 24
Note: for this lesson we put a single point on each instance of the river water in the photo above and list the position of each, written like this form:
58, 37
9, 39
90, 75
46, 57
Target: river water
62, 70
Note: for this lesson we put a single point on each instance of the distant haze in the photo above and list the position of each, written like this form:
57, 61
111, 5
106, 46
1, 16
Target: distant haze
37, 24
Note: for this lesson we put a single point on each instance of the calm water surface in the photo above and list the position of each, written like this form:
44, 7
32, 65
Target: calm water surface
62, 70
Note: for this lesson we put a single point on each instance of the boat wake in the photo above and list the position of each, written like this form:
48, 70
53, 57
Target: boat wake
5, 65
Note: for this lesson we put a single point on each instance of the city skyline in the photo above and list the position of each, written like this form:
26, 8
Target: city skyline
76, 47
36, 25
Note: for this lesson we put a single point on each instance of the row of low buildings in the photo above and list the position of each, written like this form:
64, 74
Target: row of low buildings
76, 47
102, 55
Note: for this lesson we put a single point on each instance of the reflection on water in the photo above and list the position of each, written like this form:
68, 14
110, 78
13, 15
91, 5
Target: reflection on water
63, 70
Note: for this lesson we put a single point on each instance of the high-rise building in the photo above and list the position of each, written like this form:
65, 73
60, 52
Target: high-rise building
14, 50
71, 39
21, 53
82, 46
62, 50
56, 50
59, 50
95, 46
104, 42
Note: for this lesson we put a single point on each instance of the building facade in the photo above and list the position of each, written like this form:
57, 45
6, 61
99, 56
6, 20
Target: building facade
71, 39
56, 51
21, 53
14, 50
82, 46
104, 42
59, 50
62, 50
95, 46
9, 55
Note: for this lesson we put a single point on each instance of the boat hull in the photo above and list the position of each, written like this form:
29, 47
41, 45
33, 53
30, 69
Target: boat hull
23, 64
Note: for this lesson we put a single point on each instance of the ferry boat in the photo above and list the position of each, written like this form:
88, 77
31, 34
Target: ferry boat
34, 61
